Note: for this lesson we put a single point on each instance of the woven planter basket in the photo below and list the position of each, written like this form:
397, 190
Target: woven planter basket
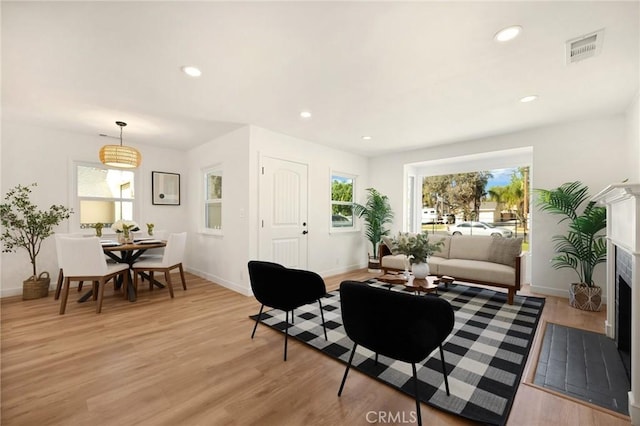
35, 289
586, 298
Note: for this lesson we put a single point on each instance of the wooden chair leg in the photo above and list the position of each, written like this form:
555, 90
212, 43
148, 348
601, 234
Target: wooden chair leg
80, 286
65, 296
150, 280
184, 283
167, 277
94, 289
101, 286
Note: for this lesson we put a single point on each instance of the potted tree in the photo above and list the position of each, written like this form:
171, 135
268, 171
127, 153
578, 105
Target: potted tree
376, 213
27, 227
583, 247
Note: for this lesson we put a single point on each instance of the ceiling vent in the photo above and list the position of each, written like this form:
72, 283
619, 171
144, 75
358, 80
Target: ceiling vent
583, 47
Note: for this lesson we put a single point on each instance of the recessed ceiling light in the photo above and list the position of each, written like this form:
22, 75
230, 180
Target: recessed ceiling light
530, 98
366, 138
191, 71
508, 33
305, 114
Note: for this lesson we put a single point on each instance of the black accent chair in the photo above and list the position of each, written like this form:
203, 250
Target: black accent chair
400, 326
283, 288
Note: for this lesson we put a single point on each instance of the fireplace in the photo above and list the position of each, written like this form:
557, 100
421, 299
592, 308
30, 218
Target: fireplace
623, 280
623, 307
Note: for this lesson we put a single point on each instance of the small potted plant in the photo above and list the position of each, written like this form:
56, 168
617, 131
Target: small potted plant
584, 246
418, 249
27, 227
376, 213
124, 228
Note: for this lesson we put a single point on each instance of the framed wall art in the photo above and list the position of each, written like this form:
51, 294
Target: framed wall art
165, 188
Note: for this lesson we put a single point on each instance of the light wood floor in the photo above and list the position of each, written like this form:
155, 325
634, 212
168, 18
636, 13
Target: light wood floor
190, 361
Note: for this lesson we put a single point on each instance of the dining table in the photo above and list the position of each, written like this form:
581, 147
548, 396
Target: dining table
127, 253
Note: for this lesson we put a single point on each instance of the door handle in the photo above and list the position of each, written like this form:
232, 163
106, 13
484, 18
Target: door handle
305, 232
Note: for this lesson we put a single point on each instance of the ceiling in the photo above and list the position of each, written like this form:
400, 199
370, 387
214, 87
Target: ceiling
409, 75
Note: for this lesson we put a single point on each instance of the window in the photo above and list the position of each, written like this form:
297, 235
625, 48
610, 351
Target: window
104, 195
342, 201
213, 199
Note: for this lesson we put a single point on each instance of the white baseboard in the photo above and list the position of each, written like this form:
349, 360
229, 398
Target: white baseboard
218, 280
553, 291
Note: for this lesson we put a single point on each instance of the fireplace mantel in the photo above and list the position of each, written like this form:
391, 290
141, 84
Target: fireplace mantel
623, 231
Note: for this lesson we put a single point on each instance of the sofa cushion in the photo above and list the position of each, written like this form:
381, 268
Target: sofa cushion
505, 250
394, 261
434, 264
443, 250
470, 247
462, 269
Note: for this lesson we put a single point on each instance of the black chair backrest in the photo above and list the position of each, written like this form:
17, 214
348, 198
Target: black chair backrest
284, 288
401, 326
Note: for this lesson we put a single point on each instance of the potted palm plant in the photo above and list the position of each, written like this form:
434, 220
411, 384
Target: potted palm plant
377, 213
583, 247
27, 227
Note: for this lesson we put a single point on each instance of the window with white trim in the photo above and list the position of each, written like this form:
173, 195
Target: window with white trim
213, 199
104, 195
342, 198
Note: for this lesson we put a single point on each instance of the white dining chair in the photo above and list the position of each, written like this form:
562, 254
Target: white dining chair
172, 258
60, 271
82, 259
155, 253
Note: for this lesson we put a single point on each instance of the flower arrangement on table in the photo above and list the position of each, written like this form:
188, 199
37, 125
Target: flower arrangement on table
124, 227
416, 247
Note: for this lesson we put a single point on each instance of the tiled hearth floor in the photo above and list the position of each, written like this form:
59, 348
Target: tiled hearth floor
584, 365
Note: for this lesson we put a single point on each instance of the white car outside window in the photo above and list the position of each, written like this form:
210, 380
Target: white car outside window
478, 228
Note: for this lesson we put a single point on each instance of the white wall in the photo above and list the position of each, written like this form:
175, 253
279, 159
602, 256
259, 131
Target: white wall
633, 134
221, 258
329, 253
595, 151
43, 155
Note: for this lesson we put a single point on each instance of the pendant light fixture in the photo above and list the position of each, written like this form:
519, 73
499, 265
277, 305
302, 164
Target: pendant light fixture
120, 155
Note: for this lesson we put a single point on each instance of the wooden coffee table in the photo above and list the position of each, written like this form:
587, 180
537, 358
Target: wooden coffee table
416, 285
426, 285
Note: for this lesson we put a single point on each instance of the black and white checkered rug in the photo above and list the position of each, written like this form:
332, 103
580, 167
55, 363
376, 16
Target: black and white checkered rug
485, 353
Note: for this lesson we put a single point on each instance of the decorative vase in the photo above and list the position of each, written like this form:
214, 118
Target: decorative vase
420, 270
36, 287
98, 232
587, 298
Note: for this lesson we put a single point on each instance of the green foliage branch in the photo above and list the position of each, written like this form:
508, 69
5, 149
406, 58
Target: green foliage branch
376, 212
584, 246
24, 225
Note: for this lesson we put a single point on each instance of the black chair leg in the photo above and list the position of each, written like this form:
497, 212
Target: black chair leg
344, 378
257, 321
376, 361
415, 381
286, 334
322, 316
293, 321
444, 370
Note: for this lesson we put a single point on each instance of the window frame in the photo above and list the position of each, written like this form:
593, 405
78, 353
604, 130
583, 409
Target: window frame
354, 223
218, 170
74, 221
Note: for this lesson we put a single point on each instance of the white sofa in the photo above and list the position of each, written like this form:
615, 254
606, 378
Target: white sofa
484, 260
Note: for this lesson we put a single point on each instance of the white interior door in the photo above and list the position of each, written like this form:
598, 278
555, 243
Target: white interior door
283, 212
